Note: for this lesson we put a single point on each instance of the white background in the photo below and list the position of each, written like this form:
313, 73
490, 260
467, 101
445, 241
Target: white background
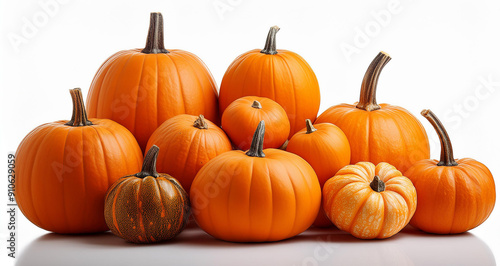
445, 54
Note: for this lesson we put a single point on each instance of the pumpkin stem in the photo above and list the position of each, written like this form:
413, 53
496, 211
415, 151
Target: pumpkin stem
79, 117
200, 122
367, 98
256, 105
270, 46
310, 127
377, 184
154, 42
256, 149
149, 164
446, 148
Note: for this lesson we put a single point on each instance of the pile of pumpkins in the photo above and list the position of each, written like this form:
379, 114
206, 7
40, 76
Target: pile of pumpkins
253, 164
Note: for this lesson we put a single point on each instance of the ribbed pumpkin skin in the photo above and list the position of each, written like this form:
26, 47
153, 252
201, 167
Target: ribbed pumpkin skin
140, 91
452, 199
353, 206
240, 198
240, 120
327, 150
390, 134
184, 149
146, 210
284, 77
63, 173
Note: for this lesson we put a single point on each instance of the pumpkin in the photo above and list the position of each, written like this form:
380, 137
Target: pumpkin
64, 168
141, 88
257, 196
379, 133
243, 115
326, 148
369, 201
147, 207
280, 75
454, 196
187, 143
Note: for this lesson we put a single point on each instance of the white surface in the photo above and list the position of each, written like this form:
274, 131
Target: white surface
445, 57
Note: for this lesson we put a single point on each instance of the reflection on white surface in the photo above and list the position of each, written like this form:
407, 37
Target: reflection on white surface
313, 247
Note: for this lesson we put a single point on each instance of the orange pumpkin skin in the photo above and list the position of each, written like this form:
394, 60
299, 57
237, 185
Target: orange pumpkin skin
242, 198
326, 148
185, 147
63, 173
141, 90
147, 207
379, 133
280, 75
243, 115
355, 207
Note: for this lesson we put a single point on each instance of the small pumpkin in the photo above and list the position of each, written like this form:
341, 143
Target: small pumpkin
243, 115
280, 75
454, 196
379, 133
326, 148
141, 88
257, 196
147, 207
187, 143
369, 201
64, 168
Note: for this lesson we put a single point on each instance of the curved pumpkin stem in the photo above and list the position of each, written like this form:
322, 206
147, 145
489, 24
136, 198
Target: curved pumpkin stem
154, 42
367, 97
149, 164
270, 46
377, 184
79, 117
310, 127
256, 149
200, 122
256, 105
446, 148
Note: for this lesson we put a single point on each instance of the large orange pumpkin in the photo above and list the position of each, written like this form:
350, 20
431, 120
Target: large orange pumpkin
64, 168
280, 75
326, 148
187, 143
454, 196
257, 196
379, 133
141, 88
243, 115
369, 202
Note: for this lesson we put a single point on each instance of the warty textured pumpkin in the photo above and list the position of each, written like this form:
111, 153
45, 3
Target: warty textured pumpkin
141, 88
326, 148
454, 196
147, 207
257, 196
379, 133
369, 201
64, 168
243, 115
187, 143
280, 75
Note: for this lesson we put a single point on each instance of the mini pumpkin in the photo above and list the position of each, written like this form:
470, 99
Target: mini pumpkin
257, 196
454, 196
370, 201
64, 168
147, 207
187, 143
326, 148
243, 115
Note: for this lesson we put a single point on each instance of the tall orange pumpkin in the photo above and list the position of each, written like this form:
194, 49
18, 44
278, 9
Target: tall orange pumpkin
64, 168
280, 75
454, 196
379, 133
141, 88
257, 196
